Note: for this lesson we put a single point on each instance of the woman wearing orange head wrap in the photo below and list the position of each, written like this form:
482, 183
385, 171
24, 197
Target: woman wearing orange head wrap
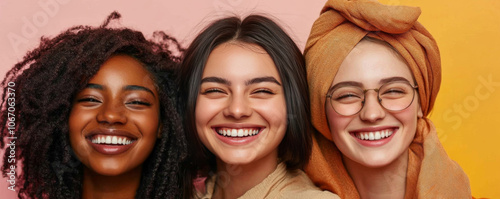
374, 73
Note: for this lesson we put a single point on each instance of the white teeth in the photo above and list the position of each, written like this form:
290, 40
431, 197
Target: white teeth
106, 139
376, 135
237, 132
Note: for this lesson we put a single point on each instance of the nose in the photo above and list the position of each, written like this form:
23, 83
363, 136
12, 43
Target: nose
238, 107
112, 113
372, 111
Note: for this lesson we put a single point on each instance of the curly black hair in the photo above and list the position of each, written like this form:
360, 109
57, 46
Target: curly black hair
46, 82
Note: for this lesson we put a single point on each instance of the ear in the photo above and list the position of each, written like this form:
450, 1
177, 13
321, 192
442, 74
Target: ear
160, 127
420, 114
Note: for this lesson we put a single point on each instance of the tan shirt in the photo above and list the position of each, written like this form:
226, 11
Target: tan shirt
281, 183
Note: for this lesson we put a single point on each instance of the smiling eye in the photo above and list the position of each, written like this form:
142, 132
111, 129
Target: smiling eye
346, 96
212, 90
394, 90
394, 93
138, 102
263, 91
89, 99
214, 93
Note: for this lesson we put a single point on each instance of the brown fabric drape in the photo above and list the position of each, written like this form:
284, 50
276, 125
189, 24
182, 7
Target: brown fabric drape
341, 25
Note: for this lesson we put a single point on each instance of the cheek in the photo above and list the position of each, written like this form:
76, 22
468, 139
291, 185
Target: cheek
147, 122
79, 119
205, 111
408, 119
274, 111
336, 122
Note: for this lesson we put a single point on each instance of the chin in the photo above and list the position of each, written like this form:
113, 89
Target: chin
107, 168
377, 160
376, 163
241, 158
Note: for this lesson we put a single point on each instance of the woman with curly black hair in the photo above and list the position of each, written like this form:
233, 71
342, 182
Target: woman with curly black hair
95, 116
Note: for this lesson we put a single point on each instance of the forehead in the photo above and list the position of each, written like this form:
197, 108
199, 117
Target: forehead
240, 59
369, 62
122, 69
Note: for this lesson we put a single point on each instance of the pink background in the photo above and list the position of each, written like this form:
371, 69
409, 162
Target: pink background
28, 20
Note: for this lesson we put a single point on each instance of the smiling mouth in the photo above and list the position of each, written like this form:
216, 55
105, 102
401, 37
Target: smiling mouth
375, 135
237, 132
111, 140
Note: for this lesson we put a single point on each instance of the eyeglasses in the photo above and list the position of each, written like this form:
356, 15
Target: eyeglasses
393, 96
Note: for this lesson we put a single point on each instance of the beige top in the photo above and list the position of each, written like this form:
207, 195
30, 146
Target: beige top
281, 183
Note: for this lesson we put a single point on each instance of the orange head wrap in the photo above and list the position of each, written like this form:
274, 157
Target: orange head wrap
341, 25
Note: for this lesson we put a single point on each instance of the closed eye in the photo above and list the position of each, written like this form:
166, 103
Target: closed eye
138, 102
264, 91
345, 96
212, 90
394, 91
88, 99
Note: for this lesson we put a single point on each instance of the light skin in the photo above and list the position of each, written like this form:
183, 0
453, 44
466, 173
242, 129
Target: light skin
241, 89
120, 100
377, 171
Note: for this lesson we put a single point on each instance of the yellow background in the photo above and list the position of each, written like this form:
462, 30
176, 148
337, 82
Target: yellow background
467, 109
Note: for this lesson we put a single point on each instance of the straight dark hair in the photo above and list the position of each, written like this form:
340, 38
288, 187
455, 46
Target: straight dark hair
295, 148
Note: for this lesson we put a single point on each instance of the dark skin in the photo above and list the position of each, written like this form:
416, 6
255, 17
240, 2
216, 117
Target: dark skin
114, 123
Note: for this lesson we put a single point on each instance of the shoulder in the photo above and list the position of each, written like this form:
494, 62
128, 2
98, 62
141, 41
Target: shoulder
297, 185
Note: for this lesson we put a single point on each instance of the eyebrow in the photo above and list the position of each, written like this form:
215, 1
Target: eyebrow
249, 82
343, 84
262, 79
95, 86
216, 80
138, 88
126, 88
359, 84
392, 79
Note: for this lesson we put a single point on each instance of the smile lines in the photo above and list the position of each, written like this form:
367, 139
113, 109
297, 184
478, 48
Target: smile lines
108, 139
237, 132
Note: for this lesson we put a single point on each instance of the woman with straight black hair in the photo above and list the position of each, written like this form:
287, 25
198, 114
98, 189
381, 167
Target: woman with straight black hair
244, 97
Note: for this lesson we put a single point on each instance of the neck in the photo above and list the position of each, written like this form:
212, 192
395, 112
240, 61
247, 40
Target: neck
388, 181
235, 180
121, 186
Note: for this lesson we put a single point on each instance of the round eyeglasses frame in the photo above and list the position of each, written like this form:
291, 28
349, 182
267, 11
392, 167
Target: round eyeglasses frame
378, 97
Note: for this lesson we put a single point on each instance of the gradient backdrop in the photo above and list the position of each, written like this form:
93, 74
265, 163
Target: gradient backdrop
467, 32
